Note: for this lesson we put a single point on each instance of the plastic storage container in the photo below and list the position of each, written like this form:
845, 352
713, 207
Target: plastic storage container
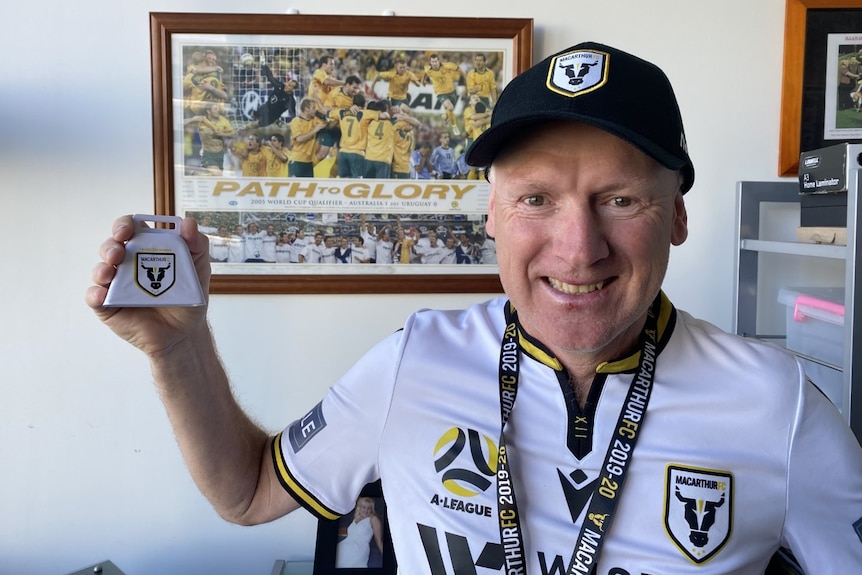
815, 328
815, 322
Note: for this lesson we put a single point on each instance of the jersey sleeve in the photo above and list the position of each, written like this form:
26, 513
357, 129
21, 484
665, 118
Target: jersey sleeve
325, 458
823, 527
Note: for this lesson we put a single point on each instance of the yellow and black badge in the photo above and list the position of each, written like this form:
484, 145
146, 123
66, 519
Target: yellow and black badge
578, 72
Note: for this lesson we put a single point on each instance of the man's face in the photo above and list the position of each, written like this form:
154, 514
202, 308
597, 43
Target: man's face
583, 224
400, 67
435, 63
479, 62
253, 143
353, 89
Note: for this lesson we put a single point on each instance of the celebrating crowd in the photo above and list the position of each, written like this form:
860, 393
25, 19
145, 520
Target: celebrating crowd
281, 112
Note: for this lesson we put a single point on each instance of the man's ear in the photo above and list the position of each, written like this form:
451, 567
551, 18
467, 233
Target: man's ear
679, 232
491, 224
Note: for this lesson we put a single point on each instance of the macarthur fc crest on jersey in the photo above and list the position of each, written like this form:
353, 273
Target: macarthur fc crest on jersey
578, 72
155, 272
698, 512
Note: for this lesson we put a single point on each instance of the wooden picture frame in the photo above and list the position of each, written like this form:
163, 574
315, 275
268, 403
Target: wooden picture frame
804, 74
330, 534
242, 44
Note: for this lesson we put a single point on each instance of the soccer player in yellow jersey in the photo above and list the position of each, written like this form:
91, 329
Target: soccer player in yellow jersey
276, 156
353, 126
323, 81
477, 118
251, 157
213, 130
338, 99
482, 82
204, 84
303, 131
399, 79
381, 142
405, 140
442, 76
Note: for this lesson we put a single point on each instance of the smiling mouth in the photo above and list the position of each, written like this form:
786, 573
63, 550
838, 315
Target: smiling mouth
575, 289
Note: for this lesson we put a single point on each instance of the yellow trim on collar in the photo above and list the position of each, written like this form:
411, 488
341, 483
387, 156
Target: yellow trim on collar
535, 349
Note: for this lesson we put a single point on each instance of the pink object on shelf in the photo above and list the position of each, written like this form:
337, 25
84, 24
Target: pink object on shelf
816, 303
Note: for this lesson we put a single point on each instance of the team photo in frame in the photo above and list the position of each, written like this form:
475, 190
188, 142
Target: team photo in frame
253, 117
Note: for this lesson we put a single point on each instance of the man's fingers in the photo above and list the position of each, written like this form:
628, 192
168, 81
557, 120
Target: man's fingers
103, 274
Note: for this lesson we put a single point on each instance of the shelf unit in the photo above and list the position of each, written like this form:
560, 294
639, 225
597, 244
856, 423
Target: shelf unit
769, 258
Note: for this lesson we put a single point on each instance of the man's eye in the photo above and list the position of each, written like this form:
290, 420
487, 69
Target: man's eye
535, 200
621, 202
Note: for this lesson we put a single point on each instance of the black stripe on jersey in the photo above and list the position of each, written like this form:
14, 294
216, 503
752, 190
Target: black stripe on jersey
293, 487
579, 436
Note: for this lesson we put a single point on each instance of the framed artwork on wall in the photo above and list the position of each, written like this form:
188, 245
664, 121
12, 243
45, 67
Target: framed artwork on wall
818, 109
324, 154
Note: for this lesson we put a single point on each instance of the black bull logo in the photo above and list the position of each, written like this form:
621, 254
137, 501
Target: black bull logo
156, 274
699, 530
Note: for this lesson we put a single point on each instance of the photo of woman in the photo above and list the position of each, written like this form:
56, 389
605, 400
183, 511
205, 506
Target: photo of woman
360, 542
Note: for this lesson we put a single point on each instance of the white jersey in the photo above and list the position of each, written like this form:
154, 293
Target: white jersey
236, 249
737, 453
297, 248
267, 248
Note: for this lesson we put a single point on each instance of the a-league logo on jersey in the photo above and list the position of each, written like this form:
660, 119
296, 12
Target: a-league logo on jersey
578, 72
155, 272
698, 510
467, 461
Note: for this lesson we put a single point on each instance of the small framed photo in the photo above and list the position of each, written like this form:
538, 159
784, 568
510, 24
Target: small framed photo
358, 543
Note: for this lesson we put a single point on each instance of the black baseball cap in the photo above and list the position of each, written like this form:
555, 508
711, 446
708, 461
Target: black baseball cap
598, 85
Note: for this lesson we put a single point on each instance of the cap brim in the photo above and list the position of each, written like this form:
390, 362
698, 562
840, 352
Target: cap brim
493, 140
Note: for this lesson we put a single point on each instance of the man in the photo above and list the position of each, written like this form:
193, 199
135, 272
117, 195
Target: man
214, 130
303, 131
443, 159
203, 85
380, 142
276, 156
280, 102
481, 81
442, 77
340, 98
251, 157
399, 79
642, 440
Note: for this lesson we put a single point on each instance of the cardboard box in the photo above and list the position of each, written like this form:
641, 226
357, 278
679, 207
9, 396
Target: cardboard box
822, 235
827, 170
824, 175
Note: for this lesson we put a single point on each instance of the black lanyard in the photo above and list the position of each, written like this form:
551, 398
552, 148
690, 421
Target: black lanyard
604, 500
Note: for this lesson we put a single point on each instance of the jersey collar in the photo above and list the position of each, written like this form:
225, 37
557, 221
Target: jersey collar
538, 351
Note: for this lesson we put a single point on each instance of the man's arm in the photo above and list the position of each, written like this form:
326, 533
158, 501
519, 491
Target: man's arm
225, 452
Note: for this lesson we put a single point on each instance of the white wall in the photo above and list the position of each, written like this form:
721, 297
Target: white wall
88, 466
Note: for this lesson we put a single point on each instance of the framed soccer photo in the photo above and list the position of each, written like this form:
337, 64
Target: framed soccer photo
325, 154
358, 543
821, 101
